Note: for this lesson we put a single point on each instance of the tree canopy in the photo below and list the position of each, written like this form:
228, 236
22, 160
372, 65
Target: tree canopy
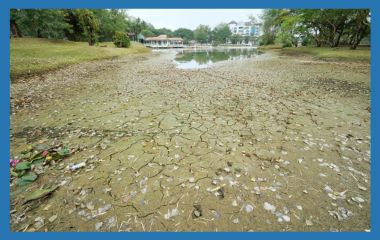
221, 33
202, 34
290, 27
331, 27
184, 33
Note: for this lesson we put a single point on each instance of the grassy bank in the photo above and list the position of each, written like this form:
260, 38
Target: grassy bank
330, 54
32, 55
270, 47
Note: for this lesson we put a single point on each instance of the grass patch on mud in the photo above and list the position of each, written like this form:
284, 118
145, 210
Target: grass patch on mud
29, 56
330, 54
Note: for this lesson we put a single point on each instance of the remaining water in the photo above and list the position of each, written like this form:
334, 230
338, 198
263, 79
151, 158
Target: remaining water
188, 59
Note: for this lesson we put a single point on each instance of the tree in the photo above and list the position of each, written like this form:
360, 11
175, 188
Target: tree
14, 18
137, 25
76, 32
164, 31
90, 23
311, 20
221, 33
292, 30
111, 21
121, 40
202, 34
147, 33
271, 25
359, 27
235, 39
331, 27
41, 23
184, 33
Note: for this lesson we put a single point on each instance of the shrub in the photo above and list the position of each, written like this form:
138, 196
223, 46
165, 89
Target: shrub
286, 44
121, 40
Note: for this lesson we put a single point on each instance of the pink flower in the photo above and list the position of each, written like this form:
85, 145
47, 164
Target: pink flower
14, 162
45, 153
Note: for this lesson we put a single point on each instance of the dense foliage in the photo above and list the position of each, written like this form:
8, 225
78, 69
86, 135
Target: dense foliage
121, 40
290, 27
330, 27
94, 25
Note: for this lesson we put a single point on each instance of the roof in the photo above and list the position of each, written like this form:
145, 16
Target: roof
163, 37
232, 22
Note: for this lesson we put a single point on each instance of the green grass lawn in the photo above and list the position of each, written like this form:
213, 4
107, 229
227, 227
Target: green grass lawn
325, 53
33, 55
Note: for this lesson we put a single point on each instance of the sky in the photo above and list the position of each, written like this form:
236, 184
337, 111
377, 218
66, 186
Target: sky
191, 18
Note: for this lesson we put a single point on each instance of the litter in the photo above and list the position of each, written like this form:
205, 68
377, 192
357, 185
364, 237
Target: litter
269, 207
358, 199
171, 213
76, 166
98, 225
248, 208
53, 218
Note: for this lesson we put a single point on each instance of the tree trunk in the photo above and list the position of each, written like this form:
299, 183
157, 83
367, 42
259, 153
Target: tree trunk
357, 39
91, 37
340, 33
39, 34
15, 31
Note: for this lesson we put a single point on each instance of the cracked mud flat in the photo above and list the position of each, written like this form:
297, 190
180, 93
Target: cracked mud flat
271, 144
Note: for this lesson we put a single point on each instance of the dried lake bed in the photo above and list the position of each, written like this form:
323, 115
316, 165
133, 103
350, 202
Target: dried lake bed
273, 143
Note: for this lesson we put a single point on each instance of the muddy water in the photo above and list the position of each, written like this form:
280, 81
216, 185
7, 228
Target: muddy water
270, 144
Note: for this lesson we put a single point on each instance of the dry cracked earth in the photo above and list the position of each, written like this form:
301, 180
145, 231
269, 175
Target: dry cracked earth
266, 144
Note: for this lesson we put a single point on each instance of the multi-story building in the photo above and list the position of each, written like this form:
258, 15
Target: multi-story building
245, 29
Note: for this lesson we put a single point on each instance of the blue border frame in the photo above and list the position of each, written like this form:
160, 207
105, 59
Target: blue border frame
4, 108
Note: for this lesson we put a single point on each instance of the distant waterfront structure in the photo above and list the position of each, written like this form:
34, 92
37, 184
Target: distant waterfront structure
248, 30
163, 41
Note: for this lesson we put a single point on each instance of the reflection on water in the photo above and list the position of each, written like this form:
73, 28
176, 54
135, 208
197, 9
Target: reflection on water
187, 59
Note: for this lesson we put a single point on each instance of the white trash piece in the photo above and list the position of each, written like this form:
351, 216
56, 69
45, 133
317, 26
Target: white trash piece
77, 166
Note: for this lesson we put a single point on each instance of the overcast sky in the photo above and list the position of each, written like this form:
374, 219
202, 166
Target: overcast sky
191, 18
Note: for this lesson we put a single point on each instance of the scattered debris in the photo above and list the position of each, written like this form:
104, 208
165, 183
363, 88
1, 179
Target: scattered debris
39, 222
197, 212
171, 213
53, 218
269, 207
39, 193
248, 208
98, 225
341, 214
74, 167
358, 199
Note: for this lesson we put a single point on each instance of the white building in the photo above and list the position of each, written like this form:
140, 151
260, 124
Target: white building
163, 41
245, 29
